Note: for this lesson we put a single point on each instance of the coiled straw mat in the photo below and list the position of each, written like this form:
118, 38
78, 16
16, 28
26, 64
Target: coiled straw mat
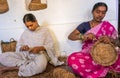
104, 53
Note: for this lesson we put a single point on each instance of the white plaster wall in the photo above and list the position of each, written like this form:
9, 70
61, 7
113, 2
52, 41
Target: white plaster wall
61, 16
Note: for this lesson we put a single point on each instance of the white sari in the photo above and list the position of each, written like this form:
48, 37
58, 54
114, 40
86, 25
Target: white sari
29, 63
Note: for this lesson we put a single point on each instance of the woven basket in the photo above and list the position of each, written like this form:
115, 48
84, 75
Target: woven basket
8, 46
36, 5
62, 73
3, 6
104, 54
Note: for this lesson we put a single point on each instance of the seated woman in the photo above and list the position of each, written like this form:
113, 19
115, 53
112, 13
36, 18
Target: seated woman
89, 32
34, 45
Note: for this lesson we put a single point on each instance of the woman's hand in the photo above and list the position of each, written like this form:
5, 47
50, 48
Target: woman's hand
37, 49
89, 36
105, 39
24, 48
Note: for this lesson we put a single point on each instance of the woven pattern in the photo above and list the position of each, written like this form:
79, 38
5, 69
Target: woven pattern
9, 46
61, 73
36, 5
104, 54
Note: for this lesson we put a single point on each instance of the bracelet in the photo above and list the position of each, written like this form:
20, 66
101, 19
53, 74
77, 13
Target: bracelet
81, 36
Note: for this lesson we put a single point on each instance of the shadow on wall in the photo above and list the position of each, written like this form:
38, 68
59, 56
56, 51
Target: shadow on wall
56, 45
60, 34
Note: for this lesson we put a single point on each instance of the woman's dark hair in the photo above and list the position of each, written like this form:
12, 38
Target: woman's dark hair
29, 17
100, 4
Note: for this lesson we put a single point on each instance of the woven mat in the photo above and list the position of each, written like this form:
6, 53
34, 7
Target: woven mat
45, 74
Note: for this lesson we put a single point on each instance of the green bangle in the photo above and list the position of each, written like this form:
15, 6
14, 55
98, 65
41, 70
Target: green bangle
80, 36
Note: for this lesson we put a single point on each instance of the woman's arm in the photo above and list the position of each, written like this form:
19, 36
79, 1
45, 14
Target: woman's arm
75, 35
37, 49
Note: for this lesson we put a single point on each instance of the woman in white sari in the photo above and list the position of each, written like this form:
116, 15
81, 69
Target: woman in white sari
35, 43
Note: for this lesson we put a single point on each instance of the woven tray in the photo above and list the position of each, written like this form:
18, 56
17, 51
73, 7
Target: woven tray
104, 54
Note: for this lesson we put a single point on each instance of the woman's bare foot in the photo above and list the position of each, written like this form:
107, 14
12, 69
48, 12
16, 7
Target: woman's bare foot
4, 68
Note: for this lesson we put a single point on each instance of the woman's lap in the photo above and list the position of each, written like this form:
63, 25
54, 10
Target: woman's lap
82, 64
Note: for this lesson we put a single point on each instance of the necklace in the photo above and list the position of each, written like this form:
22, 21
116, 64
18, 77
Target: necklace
93, 23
